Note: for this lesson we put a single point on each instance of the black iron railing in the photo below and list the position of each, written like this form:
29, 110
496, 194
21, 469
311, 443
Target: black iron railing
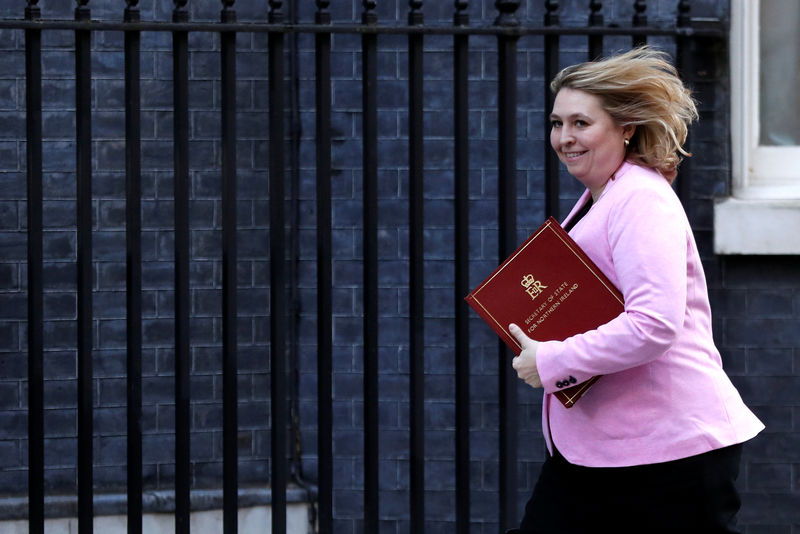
508, 30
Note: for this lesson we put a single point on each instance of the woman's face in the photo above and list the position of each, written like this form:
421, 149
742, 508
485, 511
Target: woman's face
586, 138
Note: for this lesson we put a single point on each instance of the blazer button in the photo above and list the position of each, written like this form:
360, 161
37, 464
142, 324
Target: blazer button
572, 380
559, 384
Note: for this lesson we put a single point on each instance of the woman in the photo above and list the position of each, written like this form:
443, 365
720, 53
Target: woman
655, 444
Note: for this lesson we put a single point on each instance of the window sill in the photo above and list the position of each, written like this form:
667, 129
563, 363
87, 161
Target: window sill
756, 226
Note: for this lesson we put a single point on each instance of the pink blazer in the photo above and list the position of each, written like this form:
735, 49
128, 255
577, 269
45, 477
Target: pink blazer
664, 394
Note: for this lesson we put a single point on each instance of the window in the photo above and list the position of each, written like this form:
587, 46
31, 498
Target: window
779, 57
763, 213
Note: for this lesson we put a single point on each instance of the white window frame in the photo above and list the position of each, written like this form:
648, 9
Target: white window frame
763, 214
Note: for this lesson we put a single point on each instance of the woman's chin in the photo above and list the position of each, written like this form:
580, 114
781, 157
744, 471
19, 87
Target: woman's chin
577, 170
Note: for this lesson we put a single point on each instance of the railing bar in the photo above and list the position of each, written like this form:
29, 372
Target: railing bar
133, 206
714, 28
595, 40
33, 106
279, 407
83, 134
180, 58
416, 278
324, 280
230, 461
369, 79
507, 227
685, 65
551, 163
462, 351
640, 20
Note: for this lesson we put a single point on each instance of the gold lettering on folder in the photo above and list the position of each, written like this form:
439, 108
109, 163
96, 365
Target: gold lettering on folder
532, 286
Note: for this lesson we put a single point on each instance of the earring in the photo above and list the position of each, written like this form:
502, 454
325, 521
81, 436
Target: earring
626, 141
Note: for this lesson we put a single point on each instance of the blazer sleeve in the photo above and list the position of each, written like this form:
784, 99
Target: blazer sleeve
648, 244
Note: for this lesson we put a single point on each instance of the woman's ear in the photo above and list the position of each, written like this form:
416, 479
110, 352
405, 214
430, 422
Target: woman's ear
629, 130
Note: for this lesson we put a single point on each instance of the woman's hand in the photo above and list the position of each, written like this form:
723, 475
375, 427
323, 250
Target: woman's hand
525, 363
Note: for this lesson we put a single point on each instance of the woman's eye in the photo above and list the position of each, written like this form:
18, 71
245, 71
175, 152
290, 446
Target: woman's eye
555, 124
581, 124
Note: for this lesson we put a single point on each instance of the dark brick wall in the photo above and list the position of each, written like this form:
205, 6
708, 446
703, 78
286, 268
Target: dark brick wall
756, 306
755, 299
759, 305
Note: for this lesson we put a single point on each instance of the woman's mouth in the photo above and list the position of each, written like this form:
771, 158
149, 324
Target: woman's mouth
573, 155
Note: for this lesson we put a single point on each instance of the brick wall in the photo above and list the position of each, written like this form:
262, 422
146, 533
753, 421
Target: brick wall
60, 306
755, 299
759, 303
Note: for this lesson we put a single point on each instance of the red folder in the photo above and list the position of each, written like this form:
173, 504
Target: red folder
550, 289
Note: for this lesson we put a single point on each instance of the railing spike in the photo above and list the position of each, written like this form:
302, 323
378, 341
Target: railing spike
461, 16
275, 13
640, 17
551, 13
369, 16
415, 16
596, 14
508, 12
684, 19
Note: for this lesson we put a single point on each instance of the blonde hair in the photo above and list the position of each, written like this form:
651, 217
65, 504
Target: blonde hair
640, 88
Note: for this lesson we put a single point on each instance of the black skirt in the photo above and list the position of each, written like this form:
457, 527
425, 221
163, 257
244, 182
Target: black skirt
690, 495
